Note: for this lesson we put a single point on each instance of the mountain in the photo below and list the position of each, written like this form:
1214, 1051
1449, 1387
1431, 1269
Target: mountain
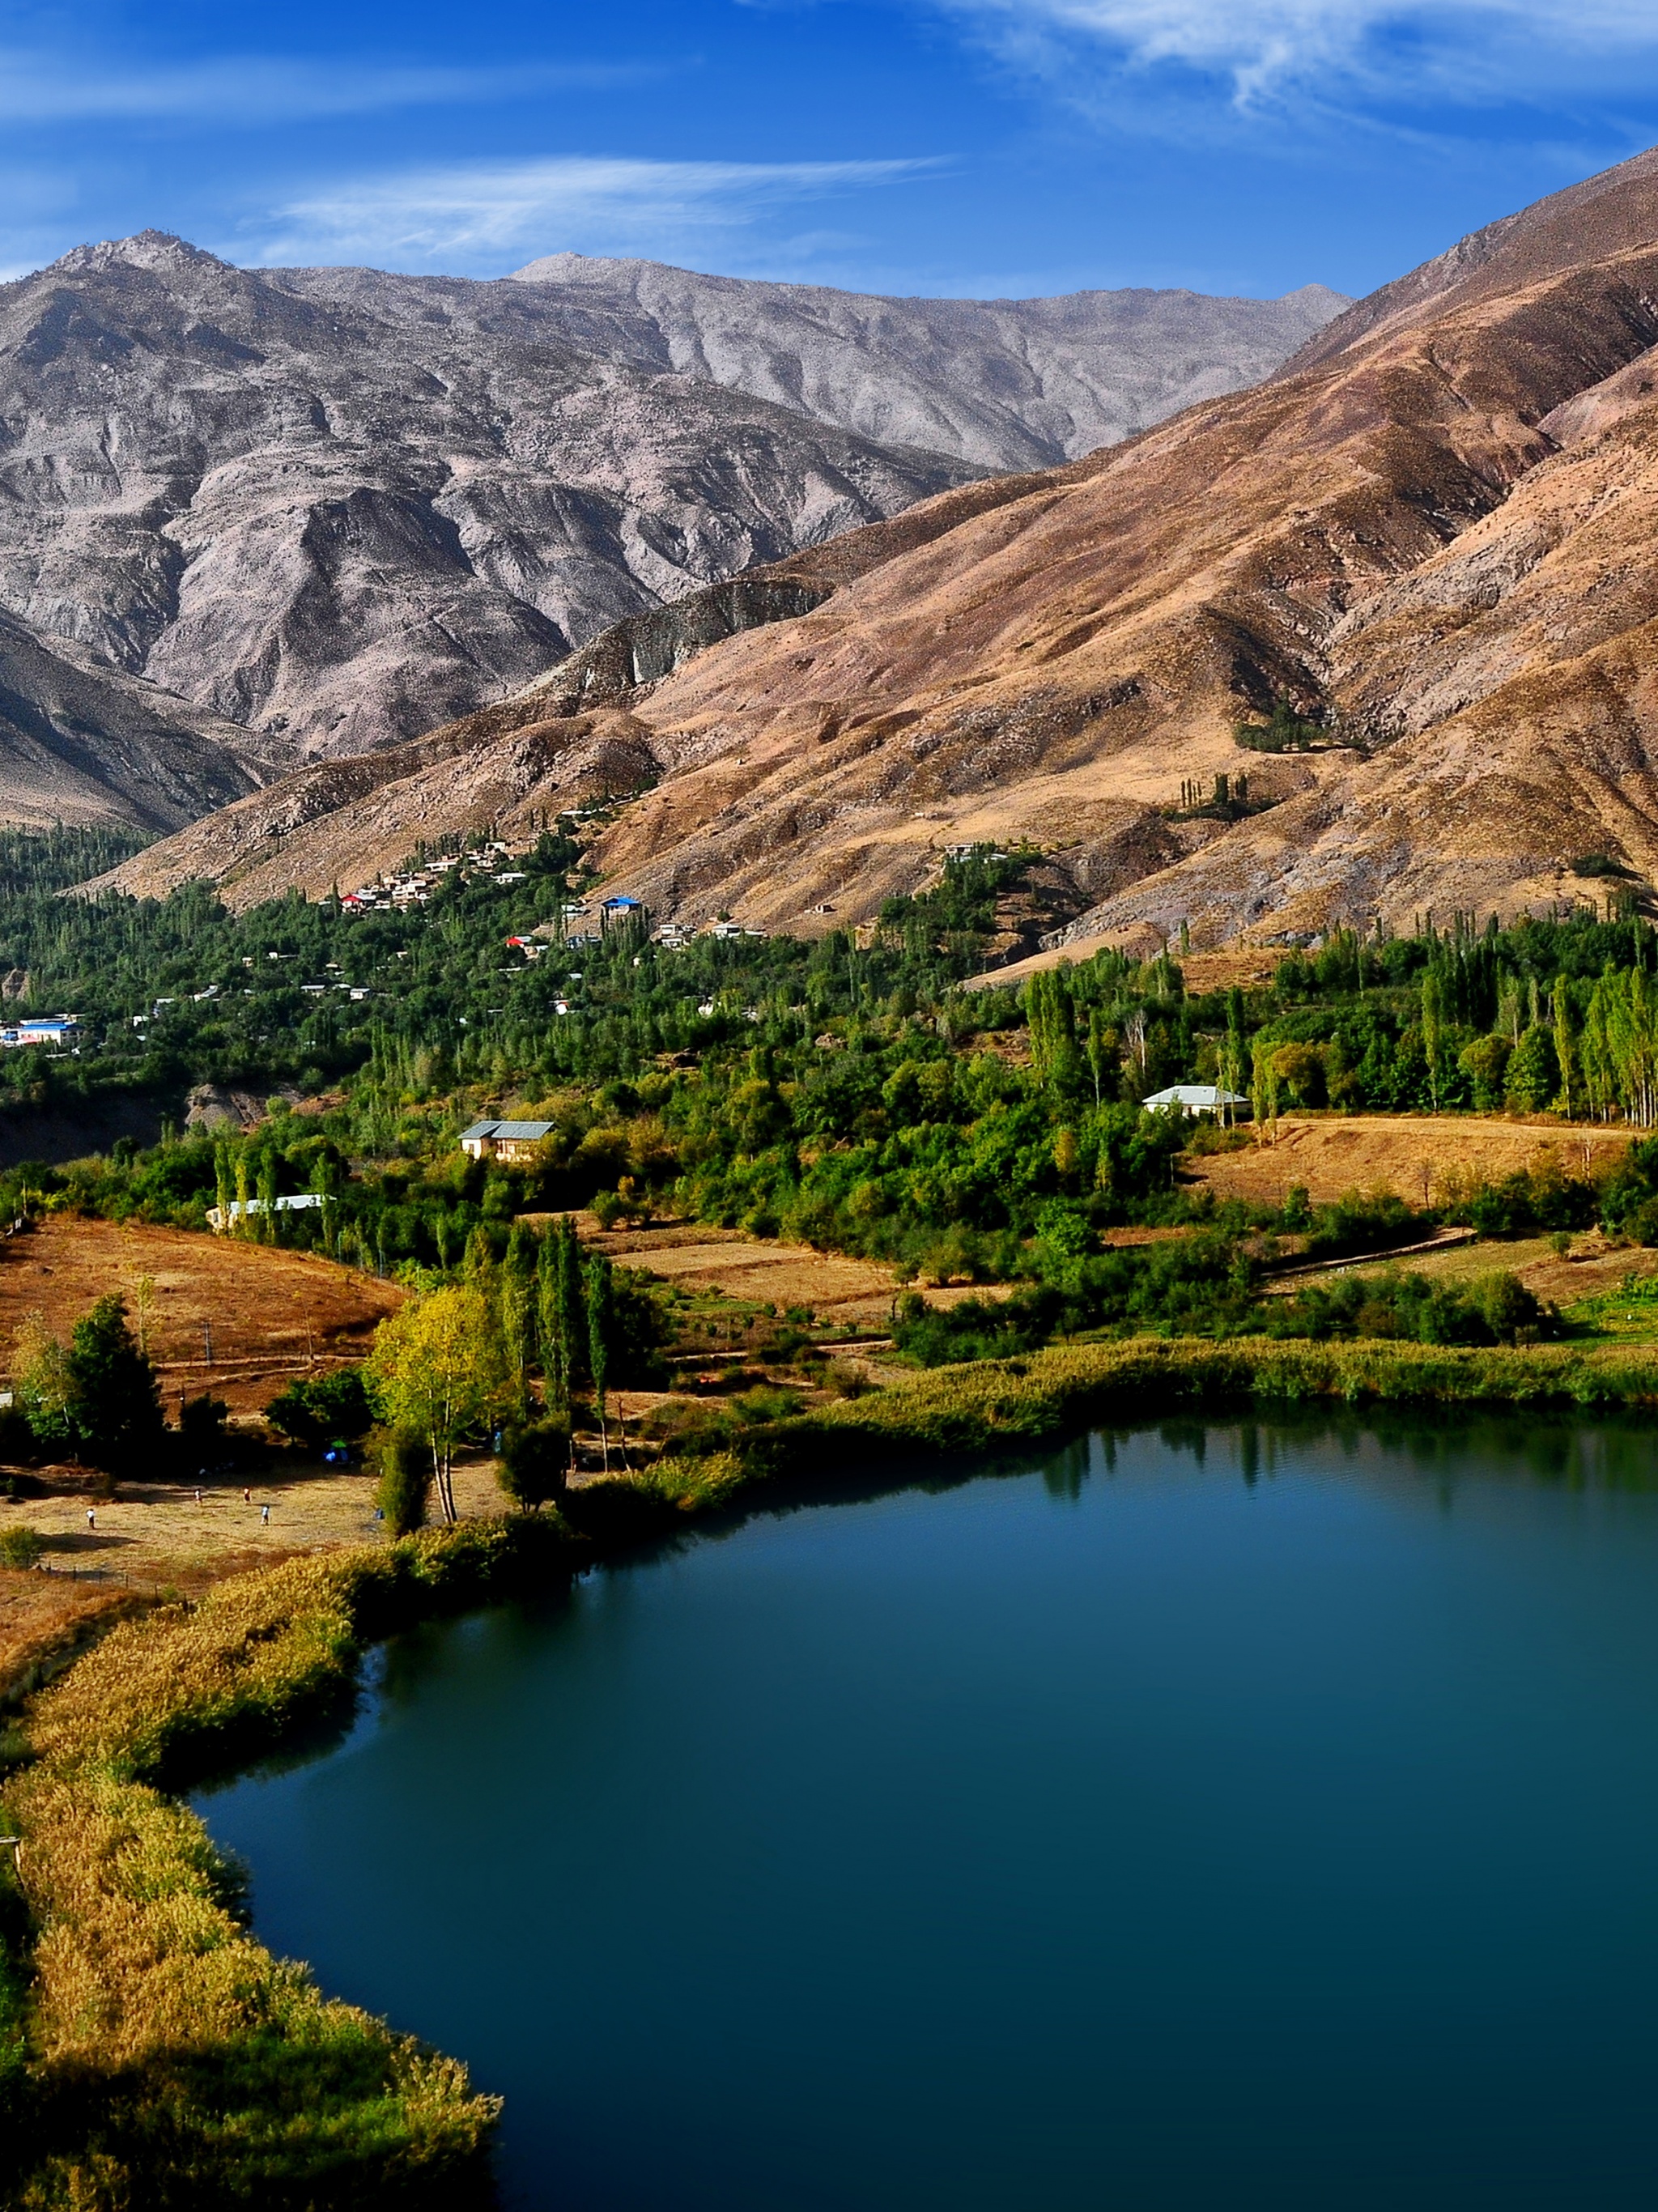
1430, 534
1431, 530
343, 507
82, 742
1008, 384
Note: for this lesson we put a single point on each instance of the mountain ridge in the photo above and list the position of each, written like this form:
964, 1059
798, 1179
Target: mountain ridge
343, 507
1385, 538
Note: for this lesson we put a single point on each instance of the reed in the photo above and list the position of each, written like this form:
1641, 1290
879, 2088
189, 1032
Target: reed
173, 2061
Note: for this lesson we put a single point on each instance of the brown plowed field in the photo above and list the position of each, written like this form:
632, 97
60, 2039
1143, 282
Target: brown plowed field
1412, 1154
271, 1314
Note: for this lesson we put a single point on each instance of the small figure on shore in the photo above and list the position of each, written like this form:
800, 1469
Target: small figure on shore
198, 1497
265, 1517
247, 1496
92, 1518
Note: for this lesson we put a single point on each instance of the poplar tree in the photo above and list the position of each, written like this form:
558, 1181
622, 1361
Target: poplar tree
516, 1302
599, 1311
555, 1357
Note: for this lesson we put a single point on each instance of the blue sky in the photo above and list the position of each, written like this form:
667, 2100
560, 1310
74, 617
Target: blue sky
947, 146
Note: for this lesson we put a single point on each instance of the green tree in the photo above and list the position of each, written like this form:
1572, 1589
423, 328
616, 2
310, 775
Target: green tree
555, 1360
115, 1400
405, 1482
1485, 1063
600, 1309
437, 1367
45, 1390
572, 1304
1565, 1041
1533, 1072
535, 1461
517, 1294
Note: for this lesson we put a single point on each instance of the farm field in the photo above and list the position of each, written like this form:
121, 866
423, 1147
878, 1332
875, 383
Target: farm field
1612, 1288
1413, 1154
756, 1272
271, 1314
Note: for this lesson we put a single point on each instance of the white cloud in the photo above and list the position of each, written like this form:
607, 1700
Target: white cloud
43, 88
475, 215
1263, 53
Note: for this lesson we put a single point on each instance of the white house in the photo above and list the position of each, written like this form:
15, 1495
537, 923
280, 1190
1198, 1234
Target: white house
303, 1201
1193, 1098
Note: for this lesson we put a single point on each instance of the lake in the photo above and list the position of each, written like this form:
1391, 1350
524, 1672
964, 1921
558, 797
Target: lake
1206, 1817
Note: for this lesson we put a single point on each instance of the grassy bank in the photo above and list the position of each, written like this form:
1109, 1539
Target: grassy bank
1037, 1400
172, 2060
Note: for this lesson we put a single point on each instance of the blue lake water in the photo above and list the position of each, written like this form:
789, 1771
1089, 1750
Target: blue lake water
1199, 1820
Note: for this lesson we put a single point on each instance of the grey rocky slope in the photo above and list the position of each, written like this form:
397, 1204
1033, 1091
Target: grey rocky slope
345, 508
344, 527
82, 742
1010, 384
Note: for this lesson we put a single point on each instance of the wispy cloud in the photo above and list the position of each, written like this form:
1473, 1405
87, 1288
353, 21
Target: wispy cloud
1369, 59
50, 89
474, 217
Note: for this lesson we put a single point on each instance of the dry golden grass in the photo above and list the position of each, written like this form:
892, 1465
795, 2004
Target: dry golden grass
153, 1538
1413, 1154
272, 1313
837, 1290
144, 1975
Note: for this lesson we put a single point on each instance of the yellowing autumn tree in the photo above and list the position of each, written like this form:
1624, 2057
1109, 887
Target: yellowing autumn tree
437, 1368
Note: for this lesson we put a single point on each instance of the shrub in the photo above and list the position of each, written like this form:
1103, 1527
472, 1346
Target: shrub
535, 1461
20, 1547
323, 1409
17, 1440
405, 1465
201, 1425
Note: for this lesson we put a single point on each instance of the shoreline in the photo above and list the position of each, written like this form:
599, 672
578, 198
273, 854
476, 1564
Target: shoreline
162, 2036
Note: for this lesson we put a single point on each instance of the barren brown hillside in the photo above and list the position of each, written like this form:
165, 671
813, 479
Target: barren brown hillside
1430, 532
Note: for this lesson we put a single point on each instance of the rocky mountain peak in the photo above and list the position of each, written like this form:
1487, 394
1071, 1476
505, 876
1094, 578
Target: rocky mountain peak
158, 251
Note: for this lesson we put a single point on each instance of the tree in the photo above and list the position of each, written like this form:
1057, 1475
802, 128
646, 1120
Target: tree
1433, 1030
535, 1461
572, 1304
322, 1409
1486, 1062
1533, 1072
437, 1367
599, 1306
405, 1478
115, 1400
554, 1364
1564, 1040
43, 1387
517, 1298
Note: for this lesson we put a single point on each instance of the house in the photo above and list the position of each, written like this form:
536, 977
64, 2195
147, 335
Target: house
45, 1029
504, 1140
1192, 1098
304, 1201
